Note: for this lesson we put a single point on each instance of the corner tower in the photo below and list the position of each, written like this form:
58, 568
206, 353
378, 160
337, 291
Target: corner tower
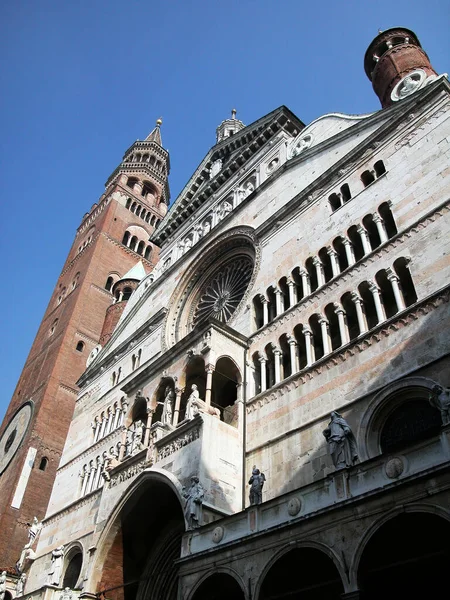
397, 65
111, 238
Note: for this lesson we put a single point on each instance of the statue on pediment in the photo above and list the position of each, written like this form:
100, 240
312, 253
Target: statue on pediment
341, 442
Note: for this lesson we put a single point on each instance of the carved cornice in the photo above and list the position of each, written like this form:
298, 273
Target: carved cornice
69, 389
297, 310
375, 335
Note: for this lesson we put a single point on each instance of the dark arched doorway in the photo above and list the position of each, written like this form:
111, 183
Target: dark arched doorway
219, 586
141, 563
407, 557
302, 574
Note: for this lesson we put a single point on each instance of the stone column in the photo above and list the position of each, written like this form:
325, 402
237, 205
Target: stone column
305, 282
325, 330
380, 227
123, 443
265, 305
334, 261
103, 427
378, 305
123, 412
209, 374
364, 239
116, 416
84, 480
349, 251
278, 301
359, 313
343, 329
90, 484
98, 473
292, 353
150, 413
396, 289
277, 361
97, 428
109, 422
310, 358
263, 362
176, 412
319, 271
292, 291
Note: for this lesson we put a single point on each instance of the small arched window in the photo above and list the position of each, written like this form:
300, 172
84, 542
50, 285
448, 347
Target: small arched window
367, 177
53, 327
73, 571
379, 167
127, 293
109, 283
80, 346
43, 464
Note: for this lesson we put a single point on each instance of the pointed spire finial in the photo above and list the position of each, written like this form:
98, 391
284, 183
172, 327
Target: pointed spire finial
233, 113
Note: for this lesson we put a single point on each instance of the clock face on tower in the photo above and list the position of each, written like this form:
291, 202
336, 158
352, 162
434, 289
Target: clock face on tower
14, 434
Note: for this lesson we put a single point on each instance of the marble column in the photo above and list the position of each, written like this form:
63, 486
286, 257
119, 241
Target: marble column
362, 324
334, 261
293, 353
176, 412
84, 480
393, 278
292, 291
123, 412
305, 282
263, 362
325, 331
123, 443
364, 239
277, 361
310, 357
319, 271
374, 290
349, 251
92, 470
150, 413
116, 416
209, 375
97, 428
265, 306
380, 227
278, 301
104, 423
110, 421
343, 329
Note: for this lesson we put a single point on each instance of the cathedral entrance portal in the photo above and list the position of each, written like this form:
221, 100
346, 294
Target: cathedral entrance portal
141, 562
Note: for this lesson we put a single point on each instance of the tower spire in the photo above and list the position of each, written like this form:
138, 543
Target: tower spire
155, 134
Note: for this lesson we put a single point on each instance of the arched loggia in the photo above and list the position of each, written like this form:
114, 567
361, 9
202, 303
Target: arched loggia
219, 586
137, 554
304, 573
407, 557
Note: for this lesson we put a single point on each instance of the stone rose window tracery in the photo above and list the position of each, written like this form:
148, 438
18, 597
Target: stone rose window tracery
221, 295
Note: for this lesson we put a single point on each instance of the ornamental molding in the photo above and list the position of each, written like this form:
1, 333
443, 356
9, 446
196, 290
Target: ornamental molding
178, 443
353, 348
79, 254
69, 389
91, 217
374, 257
128, 473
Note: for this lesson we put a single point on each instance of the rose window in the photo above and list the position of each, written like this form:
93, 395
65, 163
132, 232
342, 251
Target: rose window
221, 295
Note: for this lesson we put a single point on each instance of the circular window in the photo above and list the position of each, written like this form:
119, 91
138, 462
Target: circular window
215, 287
14, 434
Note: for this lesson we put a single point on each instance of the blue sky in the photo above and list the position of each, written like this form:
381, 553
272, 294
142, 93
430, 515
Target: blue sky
82, 80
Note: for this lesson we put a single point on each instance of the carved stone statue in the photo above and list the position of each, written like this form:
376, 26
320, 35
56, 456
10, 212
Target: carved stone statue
256, 482
20, 585
66, 594
33, 531
341, 442
2, 585
54, 575
136, 440
192, 404
206, 226
194, 503
110, 460
440, 399
167, 414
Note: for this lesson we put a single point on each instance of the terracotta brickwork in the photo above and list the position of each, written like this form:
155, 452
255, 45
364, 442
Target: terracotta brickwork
75, 313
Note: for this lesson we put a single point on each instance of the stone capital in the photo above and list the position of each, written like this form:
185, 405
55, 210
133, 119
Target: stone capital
331, 251
263, 299
356, 297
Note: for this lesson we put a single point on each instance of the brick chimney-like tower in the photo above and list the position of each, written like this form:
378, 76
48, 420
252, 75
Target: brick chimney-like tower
111, 239
396, 65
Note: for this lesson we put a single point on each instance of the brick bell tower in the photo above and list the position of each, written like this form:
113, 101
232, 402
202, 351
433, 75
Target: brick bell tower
111, 239
397, 65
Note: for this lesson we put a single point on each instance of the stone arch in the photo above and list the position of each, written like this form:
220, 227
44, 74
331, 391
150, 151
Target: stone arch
111, 537
381, 406
226, 378
381, 523
220, 577
317, 547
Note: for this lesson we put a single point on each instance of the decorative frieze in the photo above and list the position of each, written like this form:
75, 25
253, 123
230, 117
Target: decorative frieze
127, 473
179, 443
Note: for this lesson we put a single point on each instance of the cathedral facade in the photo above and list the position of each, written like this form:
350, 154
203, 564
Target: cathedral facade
266, 414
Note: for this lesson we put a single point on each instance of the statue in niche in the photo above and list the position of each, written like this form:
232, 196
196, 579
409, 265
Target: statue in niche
2, 585
440, 399
54, 575
167, 414
136, 437
194, 503
256, 483
341, 442
192, 405
20, 585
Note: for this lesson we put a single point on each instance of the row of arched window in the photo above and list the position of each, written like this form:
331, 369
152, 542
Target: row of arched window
138, 157
91, 475
109, 420
86, 242
62, 291
354, 314
141, 212
137, 245
338, 199
359, 240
